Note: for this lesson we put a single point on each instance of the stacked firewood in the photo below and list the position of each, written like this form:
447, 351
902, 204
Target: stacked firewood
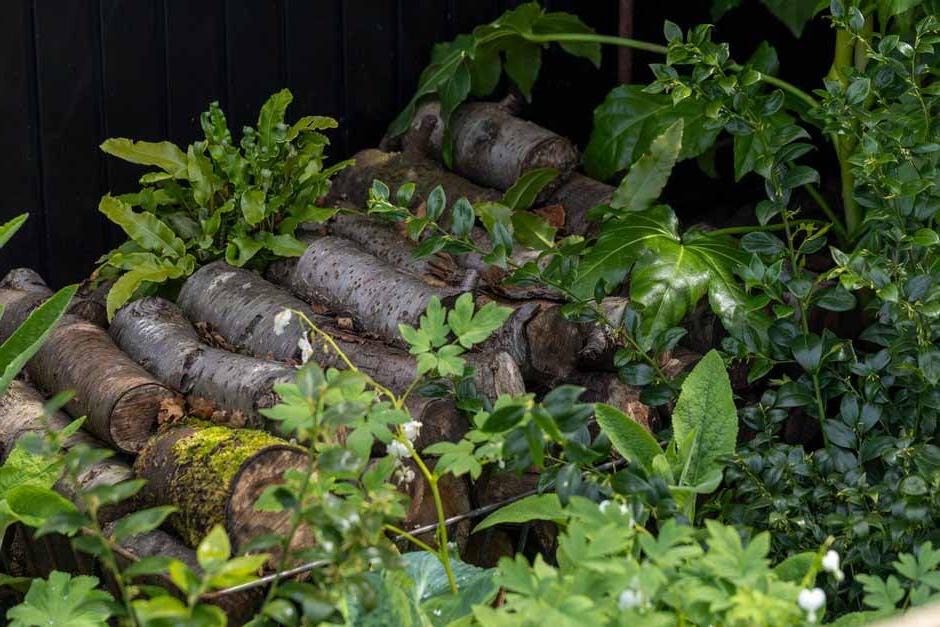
215, 353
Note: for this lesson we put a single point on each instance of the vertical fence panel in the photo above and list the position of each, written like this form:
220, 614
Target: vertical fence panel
422, 23
195, 62
69, 88
133, 71
20, 176
313, 50
254, 53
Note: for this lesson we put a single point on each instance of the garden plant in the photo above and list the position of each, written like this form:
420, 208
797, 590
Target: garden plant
685, 424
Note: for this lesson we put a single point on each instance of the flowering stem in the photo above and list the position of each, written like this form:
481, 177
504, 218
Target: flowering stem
413, 539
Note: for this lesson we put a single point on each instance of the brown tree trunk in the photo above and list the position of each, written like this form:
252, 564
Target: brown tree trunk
119, 398
156, 334
21, 412
396, 169
213, 475
490, 146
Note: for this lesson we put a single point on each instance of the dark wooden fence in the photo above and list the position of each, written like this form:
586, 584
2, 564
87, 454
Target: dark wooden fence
74, 72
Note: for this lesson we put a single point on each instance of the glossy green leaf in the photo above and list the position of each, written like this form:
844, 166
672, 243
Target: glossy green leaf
164, 155
271, 115
648, 176
523, 192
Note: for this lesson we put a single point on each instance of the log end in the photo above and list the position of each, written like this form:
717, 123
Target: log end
134, 415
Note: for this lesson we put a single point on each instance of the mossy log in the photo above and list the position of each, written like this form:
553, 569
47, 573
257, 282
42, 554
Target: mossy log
21, 412
214, 475
240, 306
395, 169
491, 146
156, 334
120, 399
578, 195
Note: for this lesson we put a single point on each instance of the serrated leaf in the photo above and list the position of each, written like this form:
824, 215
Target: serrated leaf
629, 437
164, 155
706, 419
648, 176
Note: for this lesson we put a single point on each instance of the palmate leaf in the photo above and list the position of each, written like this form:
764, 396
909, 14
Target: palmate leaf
671, 273
628, 121
63, 600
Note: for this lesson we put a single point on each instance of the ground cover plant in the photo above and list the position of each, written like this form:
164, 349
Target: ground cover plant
786, 475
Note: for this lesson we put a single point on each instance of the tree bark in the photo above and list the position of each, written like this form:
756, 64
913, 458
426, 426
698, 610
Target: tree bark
578, 195
240, 306
156, 334
21, 412
396, 169
119, 398
213, 475
490, 146
88, 302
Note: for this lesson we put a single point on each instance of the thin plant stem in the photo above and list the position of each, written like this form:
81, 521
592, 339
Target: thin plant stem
826, 208
407, 536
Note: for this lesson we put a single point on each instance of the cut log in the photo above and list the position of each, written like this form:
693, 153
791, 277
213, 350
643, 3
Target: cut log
88, 302
578, 195
119, 398
21, 412
240, 306
214, 475
491, 146
156, 334
336, 274
396, 169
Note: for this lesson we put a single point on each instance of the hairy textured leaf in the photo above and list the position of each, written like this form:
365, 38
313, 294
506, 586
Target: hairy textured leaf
28, 337
8, 229
705, 421
629, 119
144, 228
164, 155
629, 437
648, 176
535, 507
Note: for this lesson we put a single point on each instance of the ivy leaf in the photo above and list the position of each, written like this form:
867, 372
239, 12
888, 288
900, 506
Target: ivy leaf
535, 507
629, 119
144, 228
705, 421
647, 177
628, 436
164, 155
63, 600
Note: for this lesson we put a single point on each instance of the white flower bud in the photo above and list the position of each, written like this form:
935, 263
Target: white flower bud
281, 321
630, 599
811, 601
411, 430
398, 450
830, 564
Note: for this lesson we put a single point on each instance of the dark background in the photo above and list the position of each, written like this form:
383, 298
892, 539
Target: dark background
75, 72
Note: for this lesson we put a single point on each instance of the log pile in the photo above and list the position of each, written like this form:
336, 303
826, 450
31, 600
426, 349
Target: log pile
215, 353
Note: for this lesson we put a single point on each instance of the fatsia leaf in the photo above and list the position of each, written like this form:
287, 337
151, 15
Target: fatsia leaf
164, 155
144, 228
535, 507
705, 421
271, 115
629, 437
8, 229
29, 336
524, 191
63, 600
629, 119
648, 176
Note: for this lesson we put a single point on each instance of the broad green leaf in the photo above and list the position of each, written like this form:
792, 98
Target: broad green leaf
523, 61
144, 228
432, 590
164, 155
29, 336
533, 231
240, 250
284, 245
630, 438
795, 567
125, 287
214, 549
271, 114
63, 600
8, 229
524, 191
140, 522
35, 504
648, 176
252, 205
535, 507
628, 121
706, 412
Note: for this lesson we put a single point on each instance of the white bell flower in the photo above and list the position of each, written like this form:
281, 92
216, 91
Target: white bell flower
811, 601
